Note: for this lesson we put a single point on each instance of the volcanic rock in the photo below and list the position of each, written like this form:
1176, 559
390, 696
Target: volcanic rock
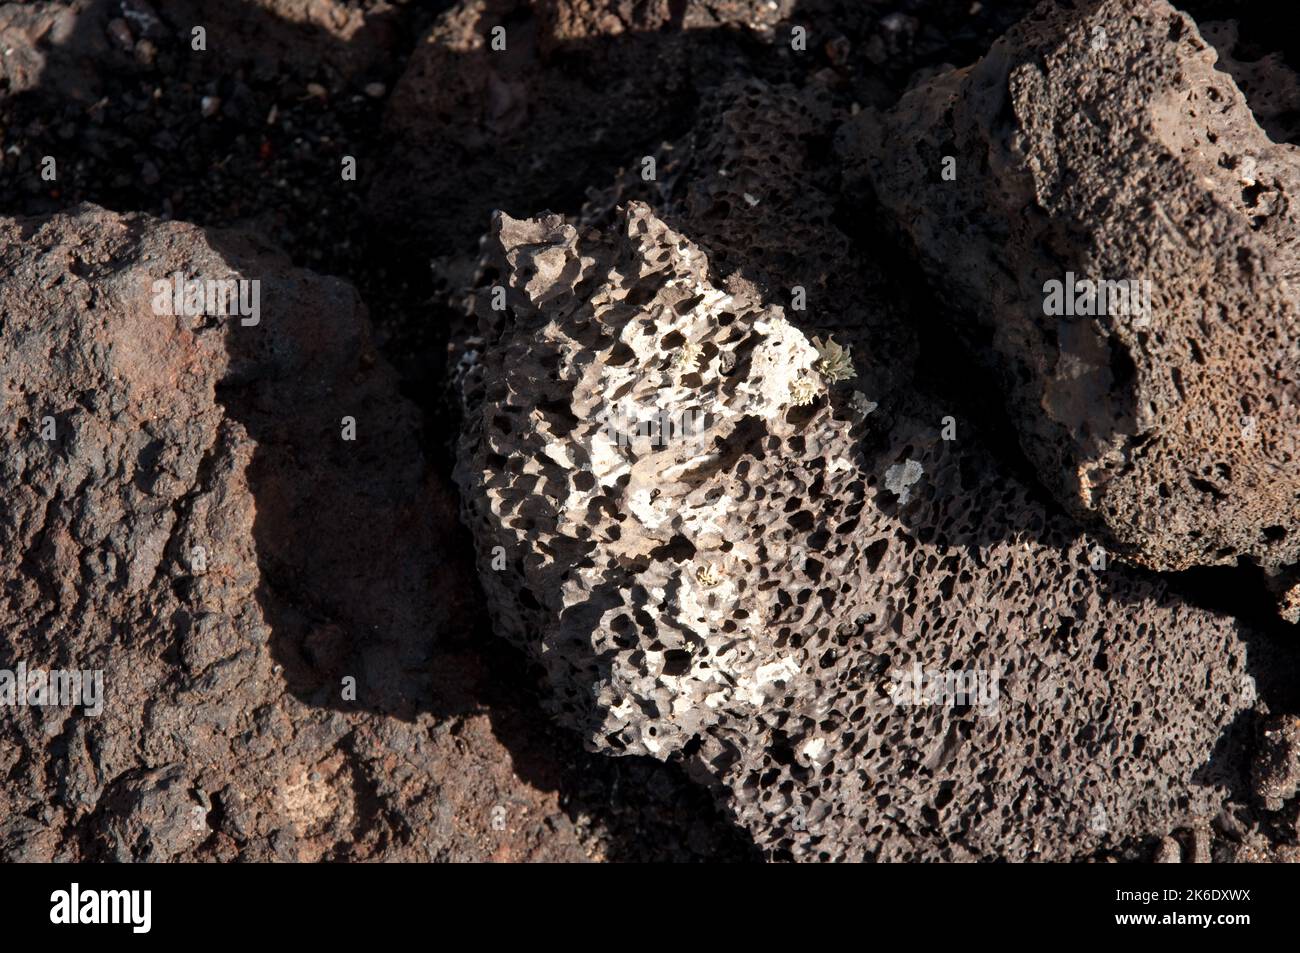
262, 597
1276, 771
1098, 143
950, 676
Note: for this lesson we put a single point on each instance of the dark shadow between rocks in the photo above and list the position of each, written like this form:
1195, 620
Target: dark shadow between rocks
1249, 38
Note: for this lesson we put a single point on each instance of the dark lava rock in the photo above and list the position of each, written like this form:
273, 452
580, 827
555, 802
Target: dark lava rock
1276, 771
1098, 142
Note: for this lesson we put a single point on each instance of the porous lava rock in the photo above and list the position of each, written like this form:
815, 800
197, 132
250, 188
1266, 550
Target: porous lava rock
1271, 87
180, 511
1097, 142
767, 597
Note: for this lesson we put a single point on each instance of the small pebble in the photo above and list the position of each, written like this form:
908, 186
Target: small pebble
120, 34
210, 105
376, 90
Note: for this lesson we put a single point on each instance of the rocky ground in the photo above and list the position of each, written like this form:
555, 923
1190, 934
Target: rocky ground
451, 632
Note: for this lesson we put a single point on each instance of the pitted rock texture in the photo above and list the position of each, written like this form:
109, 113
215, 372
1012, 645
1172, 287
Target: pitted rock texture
695, 376
581, 88
771, 219
1099, 141
194, 527
1270, 85
754, 600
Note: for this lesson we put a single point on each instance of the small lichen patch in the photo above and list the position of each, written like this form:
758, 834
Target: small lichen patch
861, 406
834, 363
688, 356
901, 477
802, 391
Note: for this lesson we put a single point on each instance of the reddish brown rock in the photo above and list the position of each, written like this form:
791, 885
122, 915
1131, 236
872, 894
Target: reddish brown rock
33, 34
182, 513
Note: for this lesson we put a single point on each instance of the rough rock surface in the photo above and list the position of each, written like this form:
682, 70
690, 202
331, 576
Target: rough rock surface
225, 735
752, 599
193, 529
581, 89
772, 218
1276, 770
1100, 140
336, 40
68, 44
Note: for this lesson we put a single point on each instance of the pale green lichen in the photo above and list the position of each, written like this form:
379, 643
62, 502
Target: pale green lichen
901, 477
834, 362
802, 391
688, 355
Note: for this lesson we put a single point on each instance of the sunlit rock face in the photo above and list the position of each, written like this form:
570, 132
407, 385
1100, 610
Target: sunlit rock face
869, 641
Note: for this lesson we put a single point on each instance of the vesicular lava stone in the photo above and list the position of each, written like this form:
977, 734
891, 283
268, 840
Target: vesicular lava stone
754, 601
1099, 140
